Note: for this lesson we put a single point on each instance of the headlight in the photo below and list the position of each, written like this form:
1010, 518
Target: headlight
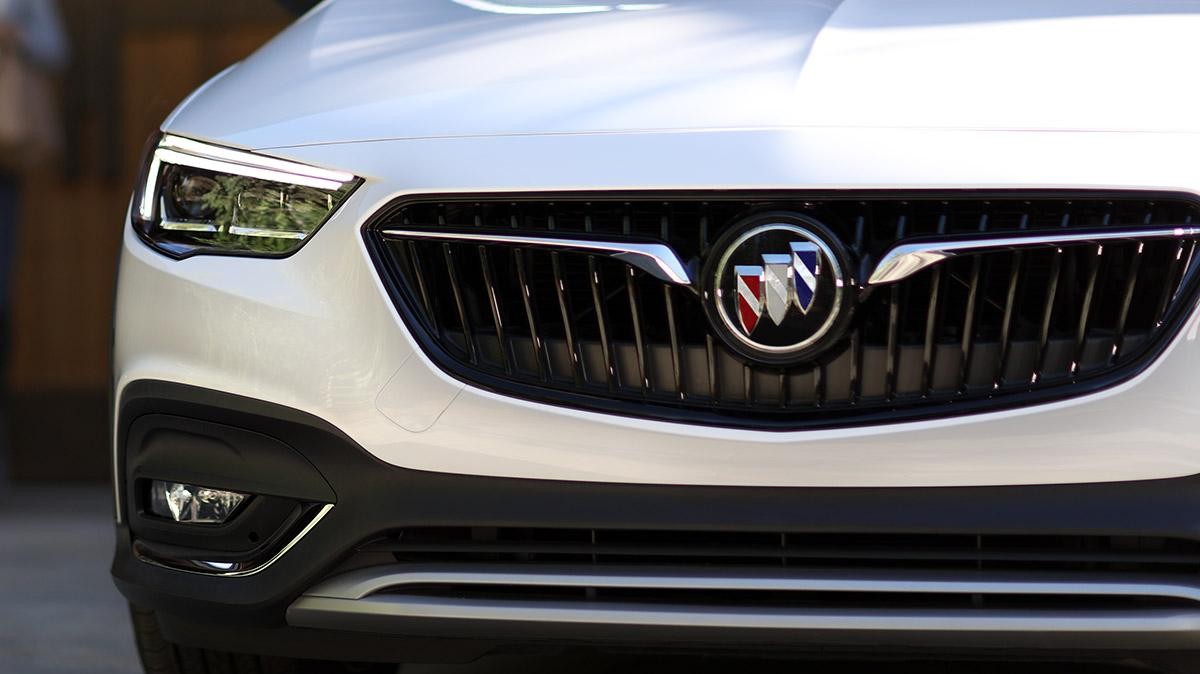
198, 198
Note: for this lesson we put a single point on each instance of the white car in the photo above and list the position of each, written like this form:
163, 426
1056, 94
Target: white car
445, 326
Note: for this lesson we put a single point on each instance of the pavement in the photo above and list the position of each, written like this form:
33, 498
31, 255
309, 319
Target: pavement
60, 614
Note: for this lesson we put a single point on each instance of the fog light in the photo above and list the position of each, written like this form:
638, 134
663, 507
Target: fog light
193, 504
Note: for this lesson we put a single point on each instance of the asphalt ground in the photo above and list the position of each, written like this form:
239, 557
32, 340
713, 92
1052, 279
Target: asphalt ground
60, 614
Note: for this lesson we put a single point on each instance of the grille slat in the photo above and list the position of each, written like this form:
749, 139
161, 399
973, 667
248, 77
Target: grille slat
598, 296
967, 341
1187, 268
456, 289
1089, 296
539, 356
893, 325
711, 359
1010, 299
983, 330
1048, 312
1126, 302
1164, 300
420, 277
568, 319
676, 365
856, 335
1183, 262
601, 322
889, 390
929, 353
497, 316
636, 314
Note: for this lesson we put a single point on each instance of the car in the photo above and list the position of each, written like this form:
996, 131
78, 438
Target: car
449, 327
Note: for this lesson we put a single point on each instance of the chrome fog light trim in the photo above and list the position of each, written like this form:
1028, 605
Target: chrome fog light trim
230, 568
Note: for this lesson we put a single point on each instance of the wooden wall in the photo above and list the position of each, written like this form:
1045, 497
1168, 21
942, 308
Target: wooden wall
134, 60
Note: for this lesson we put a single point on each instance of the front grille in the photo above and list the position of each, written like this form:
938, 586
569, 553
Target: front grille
977, 332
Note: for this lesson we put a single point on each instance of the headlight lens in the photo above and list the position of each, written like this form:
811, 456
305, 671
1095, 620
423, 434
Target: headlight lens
201, 198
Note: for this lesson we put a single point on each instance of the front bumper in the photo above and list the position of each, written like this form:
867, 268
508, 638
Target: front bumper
306, 360
305, 602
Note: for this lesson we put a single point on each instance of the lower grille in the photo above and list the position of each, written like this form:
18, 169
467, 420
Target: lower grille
701, 549
639, 570
977, 332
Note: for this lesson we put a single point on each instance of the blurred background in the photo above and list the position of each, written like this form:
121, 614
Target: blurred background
131, 62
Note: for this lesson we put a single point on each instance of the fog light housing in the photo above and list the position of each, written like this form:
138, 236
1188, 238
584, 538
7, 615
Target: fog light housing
193, 504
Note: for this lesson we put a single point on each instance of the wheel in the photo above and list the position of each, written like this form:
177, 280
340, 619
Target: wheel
160, 656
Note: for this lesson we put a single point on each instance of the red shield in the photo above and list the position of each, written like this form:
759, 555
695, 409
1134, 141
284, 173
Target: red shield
749, 285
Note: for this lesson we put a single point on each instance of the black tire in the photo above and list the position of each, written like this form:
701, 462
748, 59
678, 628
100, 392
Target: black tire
160, 656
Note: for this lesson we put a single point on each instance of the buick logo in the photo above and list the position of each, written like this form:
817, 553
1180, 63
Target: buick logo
776, 287
778, 284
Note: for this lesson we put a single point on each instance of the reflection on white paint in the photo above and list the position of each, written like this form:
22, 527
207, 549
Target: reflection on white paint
505, 8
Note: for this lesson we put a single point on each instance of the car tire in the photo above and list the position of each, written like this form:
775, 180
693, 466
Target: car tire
160, 656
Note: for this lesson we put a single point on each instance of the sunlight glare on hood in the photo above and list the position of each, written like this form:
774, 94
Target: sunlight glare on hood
504, 8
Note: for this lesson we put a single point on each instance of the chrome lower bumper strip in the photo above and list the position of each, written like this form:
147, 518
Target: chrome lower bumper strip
327, 613
374, 600
364, 583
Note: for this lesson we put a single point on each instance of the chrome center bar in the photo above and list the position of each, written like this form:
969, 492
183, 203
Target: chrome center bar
905, 259
900, 261
656, 259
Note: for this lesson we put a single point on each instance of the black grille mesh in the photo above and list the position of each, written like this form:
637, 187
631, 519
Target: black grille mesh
975, 332
965, 551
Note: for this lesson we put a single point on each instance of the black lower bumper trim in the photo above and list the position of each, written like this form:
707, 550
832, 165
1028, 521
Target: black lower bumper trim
371, 497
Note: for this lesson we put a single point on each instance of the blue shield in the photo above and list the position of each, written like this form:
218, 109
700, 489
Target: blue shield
806, 269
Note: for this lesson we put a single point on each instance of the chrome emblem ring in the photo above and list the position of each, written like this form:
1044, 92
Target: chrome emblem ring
776, 288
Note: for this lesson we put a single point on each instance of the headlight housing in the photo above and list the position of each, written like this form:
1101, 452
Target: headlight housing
197, 198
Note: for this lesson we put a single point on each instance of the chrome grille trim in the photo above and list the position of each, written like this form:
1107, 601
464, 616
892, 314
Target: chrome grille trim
901, 261
906, 259
658, 260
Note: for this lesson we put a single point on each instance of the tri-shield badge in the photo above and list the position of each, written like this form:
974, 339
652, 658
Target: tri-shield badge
775, 288
782, 281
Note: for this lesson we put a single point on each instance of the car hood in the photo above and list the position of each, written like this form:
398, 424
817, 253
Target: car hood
356, 70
